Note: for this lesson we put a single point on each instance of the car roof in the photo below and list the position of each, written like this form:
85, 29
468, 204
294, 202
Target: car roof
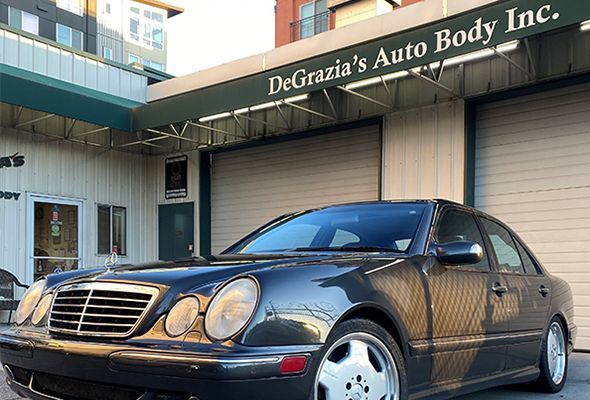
394, 201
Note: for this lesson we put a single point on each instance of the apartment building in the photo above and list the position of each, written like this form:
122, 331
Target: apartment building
300, 19
132, 31
124, 31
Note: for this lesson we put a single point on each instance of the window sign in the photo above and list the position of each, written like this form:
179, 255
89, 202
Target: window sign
176, 177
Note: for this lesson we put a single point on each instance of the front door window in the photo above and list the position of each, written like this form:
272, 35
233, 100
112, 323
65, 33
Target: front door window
56, 237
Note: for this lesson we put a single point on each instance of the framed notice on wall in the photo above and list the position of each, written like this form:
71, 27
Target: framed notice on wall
176, 177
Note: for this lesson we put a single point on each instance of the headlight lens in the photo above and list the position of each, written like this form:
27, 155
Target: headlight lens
182, 316
29, 301
42, 309
231, 309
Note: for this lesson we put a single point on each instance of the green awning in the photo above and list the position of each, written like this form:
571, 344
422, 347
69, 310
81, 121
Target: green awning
42, 93
478, 29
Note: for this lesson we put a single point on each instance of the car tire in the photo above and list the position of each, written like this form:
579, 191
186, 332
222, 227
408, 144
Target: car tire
384, 355
554, 360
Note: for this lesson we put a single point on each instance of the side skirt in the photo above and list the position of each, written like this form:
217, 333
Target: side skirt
452, 389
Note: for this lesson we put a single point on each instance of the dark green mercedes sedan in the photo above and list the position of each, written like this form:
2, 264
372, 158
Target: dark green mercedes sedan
372, 301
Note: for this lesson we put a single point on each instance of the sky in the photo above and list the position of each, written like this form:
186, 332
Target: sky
213, 32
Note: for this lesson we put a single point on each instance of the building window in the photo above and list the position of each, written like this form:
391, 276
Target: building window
69, 37
132, 58
73, 6
23, 20
107, 8
107, 53
134, 28
146, 27
314, 19
112, 230
153, 64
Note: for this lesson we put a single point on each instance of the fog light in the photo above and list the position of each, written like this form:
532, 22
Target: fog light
293, 365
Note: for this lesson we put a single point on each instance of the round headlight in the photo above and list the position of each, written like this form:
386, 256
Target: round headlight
29, 301
182, 316
42, 309
231, 309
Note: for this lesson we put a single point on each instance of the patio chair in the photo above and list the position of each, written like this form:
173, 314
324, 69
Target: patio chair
8, 284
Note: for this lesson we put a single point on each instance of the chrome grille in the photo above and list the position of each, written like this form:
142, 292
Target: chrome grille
100, 308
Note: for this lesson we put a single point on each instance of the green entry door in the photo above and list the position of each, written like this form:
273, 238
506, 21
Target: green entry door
177, 223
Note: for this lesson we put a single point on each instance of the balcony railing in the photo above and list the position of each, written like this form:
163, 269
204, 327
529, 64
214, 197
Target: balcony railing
311, 26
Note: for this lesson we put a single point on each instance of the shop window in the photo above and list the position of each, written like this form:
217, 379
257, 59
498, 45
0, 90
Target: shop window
23, 20
69, 37
73, 6
112, 230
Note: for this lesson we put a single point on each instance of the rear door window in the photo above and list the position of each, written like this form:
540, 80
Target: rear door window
504, 248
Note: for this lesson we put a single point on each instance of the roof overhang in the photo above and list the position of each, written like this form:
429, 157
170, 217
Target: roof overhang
24, 88
483, 28
171, 9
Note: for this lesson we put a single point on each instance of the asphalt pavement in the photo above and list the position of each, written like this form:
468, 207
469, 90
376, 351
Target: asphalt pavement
577, 387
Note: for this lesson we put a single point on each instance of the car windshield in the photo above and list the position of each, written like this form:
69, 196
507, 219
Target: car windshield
380, 227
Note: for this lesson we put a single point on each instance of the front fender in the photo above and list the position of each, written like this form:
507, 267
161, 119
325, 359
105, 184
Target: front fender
301, 306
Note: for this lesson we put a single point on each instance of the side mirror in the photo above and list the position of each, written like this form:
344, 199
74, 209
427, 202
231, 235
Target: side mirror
459, 253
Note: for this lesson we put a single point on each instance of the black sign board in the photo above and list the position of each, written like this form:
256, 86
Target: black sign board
176, 177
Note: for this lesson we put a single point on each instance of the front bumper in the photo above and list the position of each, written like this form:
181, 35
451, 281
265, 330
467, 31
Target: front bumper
45, 368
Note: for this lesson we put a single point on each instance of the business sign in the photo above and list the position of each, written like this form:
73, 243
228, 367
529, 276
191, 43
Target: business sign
486, 27
6, 195
176, 177
14, 160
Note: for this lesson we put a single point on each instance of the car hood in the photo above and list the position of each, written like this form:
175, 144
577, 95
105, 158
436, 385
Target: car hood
187, 275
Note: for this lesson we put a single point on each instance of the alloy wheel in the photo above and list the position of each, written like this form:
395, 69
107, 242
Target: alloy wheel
359, 366
556, 353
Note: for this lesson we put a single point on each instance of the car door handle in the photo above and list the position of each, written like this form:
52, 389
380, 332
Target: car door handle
499, 289
544, 290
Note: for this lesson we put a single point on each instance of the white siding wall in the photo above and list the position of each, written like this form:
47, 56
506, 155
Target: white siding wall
82, 172
44, 59
424, 153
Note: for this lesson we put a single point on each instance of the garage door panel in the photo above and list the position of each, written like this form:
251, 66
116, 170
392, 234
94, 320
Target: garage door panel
532, 207
249, 165
527, 158
250, 187
562, 170
562, 125
524, 184
543, 106
290, 179
582, 342
532, 198
533, 172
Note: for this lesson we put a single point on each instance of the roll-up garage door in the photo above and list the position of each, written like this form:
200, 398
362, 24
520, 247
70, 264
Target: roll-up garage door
249, 187
533, 172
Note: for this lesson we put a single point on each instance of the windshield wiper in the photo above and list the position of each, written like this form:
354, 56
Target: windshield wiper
359, 249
